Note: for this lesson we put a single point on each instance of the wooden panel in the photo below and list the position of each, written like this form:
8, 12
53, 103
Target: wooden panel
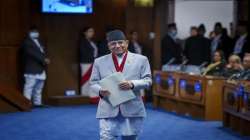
235, 113
245, 102
9, 66
14, 97
203, 100
230, 97
213, 98
186, 87
140, 19
167, 83
242, 10
1, 22
14, 21
6, 107
161, 14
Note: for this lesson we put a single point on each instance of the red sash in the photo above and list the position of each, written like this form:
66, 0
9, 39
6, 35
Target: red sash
119, 68
86, 76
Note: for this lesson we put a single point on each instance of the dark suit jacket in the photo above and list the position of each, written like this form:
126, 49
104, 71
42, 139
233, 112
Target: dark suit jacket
228, 72
170, 49
86, 51
131, 47
197, 50
226, 45
33, 60
245, 48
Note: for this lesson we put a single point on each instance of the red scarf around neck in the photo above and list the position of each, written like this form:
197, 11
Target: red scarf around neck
119, 68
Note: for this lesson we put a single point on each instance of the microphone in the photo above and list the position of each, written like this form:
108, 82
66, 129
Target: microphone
170, 61
184, 62
183, 65
203, 65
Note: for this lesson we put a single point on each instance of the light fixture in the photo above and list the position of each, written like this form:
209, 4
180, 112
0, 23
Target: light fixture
144, 3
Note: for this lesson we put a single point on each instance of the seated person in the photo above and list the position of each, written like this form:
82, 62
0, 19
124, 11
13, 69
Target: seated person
233, 67
216, 68
245, 74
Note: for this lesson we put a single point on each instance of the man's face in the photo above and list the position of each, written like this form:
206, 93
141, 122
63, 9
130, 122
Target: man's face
217, 30
233, 62
246, 62
90, 33
193, 32
217, 57
118, 47
134, 36
201, 32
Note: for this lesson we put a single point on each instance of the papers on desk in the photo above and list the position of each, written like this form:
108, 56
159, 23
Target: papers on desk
117, 96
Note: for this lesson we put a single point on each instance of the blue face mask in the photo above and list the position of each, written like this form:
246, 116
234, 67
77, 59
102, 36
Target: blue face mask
174, 33
34, 35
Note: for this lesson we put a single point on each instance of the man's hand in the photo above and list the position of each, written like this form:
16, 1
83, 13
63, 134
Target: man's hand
104, 93
126, 85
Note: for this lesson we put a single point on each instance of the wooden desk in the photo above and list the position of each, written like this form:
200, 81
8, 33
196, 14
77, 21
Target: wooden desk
191, 95
236, 107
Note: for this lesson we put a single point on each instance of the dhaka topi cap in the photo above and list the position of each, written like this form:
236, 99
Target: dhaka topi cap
115, 35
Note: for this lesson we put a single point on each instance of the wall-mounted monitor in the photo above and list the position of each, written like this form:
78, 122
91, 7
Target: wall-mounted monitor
67, 6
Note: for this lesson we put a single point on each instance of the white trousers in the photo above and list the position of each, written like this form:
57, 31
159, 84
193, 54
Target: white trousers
127, 128
107, 136
33, 90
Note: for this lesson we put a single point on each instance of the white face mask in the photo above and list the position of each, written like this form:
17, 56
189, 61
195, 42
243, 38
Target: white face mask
34, 35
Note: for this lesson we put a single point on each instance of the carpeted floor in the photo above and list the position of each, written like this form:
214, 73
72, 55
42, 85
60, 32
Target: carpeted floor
79, 123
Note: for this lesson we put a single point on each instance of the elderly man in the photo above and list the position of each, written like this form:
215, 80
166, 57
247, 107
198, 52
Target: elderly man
245, 74
126, 119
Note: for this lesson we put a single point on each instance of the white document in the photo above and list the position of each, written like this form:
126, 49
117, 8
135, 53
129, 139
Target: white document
117, 96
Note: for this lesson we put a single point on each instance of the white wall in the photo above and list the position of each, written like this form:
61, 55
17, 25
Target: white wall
193, 12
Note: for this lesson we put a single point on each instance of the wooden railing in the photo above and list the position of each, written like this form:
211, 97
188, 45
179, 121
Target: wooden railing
10, 91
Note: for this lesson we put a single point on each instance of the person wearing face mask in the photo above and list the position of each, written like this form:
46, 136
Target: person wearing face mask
35, 61
170, 48
88, 51
126, 119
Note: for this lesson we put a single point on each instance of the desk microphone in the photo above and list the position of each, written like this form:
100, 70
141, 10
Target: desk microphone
184, 62
170, 61
203, 65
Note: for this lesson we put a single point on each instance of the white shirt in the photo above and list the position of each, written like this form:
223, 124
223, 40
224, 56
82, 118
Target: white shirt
137, 48
214, 44
120, 58
239, 44
95, 53
38, 45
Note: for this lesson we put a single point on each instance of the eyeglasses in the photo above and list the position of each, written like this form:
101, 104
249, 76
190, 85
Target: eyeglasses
119, 42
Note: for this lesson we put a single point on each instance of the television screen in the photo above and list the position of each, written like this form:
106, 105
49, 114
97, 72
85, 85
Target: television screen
67, 6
